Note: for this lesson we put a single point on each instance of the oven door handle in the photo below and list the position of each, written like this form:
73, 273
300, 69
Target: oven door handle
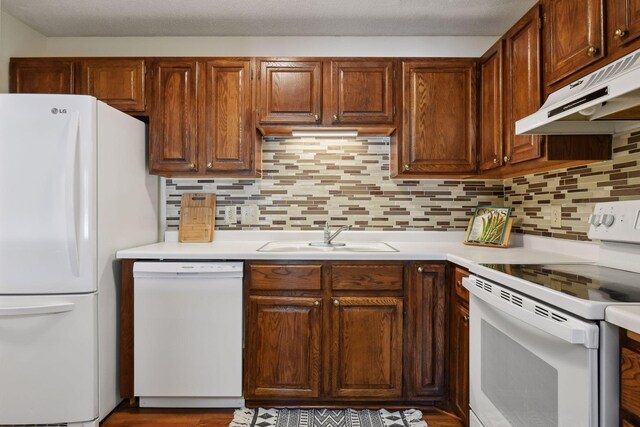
572, 330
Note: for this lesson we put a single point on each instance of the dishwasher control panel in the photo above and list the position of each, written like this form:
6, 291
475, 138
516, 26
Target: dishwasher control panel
141, 268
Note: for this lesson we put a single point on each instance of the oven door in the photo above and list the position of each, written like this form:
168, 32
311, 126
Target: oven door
530, 364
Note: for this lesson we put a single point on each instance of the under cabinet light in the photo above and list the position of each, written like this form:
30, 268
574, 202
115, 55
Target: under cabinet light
325, 134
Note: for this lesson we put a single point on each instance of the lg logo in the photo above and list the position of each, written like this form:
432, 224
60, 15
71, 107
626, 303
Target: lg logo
58, 111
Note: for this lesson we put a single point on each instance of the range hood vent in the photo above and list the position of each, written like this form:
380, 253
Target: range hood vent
605, 102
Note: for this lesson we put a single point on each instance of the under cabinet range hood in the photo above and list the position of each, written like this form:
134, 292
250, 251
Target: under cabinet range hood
605, 102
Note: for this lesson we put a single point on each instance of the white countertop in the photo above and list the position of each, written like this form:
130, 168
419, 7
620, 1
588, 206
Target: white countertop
625, 316
421, 245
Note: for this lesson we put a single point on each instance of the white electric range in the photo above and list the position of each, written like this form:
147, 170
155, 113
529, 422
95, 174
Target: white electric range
541, 353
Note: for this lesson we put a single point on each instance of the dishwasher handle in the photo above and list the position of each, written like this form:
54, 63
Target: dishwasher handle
569, 329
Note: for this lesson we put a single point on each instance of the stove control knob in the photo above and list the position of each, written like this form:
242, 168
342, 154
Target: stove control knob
608, 220
595, 220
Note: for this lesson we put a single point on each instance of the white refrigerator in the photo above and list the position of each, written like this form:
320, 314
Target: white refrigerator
74, 189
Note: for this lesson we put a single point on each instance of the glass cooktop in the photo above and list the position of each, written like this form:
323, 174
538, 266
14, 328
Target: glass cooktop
584, 281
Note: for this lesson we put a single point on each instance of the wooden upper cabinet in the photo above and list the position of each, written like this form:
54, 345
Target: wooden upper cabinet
523, 89
362, 92
491, 108
118, 82
290, 91
439, 118
366, 361
226, 126
427, 296
283, 355
573, 36
42, 76
173, 130
624, 19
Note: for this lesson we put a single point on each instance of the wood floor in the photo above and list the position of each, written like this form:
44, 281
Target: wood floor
126, 416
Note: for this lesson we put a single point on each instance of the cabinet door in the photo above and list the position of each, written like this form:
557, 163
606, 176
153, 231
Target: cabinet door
630, 377
573, 36
173, 134
290, 92
523, 91
283, 358
427, 315
366, 361
42, 76
362, 92
439, 124
118, 82
226, 128
459, 359
625, 21
491, 107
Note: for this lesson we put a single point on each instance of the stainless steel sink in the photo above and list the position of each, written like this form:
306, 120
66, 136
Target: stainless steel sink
347, 247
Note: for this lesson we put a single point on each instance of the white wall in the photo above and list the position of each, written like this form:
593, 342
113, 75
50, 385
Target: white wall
269, 46
17, 39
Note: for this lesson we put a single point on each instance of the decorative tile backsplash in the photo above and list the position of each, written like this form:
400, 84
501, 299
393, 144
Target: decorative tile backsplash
576, 190
346, 181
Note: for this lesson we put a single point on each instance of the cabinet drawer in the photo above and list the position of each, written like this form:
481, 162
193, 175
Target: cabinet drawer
355, 277
461, 291
286, 277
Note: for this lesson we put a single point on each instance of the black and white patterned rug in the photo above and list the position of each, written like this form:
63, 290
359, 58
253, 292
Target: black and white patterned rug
326, 418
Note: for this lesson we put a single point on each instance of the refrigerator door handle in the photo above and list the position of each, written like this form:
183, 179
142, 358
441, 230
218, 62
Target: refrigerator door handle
70, 194
36, 309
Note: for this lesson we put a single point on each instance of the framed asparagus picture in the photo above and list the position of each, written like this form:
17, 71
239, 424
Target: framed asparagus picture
490, 226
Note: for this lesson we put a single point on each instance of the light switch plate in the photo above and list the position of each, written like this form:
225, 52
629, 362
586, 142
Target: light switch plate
230, 215
249, 215
556, 216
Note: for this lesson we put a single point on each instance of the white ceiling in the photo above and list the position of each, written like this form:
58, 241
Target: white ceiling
268, 17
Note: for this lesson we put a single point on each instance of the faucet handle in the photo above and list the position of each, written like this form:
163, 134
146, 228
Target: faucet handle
327, 227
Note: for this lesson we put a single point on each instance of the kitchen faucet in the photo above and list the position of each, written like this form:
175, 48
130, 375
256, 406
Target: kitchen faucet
328, 237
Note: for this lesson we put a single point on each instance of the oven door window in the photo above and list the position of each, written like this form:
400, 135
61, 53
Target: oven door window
522, 376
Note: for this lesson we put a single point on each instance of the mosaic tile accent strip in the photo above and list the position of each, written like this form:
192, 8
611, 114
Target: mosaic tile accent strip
576, 190
308, 181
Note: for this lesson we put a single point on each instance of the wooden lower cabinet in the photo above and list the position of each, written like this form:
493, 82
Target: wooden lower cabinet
426, 319
459, 346
630, 379
283, 356
326, 332
366, 347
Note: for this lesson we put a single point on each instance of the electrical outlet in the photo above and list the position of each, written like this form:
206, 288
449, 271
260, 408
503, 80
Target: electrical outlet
230, 215
556, 216
249, 215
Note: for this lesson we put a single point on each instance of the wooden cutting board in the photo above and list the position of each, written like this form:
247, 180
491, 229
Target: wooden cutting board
197, 217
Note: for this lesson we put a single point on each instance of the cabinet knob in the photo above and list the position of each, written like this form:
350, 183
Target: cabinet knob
316, 303
506, 159
495, 160
407, 167
336, 302
209, 165
316, 116
466, 318
459, 283
336, 118
620, 34
593, 51
420, 270
192, 166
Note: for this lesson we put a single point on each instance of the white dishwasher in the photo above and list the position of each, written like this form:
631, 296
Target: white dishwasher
188, 334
